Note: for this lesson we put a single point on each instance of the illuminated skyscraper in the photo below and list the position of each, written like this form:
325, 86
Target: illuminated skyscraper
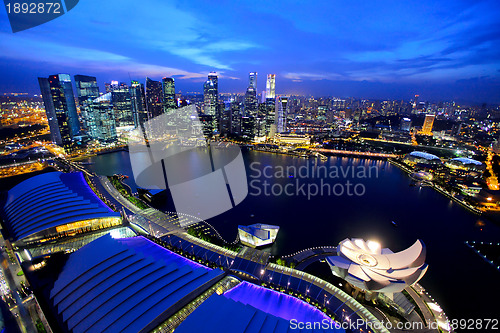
168, 87
154, 100
281, 114
235, 121
415, 104
59, 100
428, 123
252, 78
405, 124
270, 122
139, 103
86, 90
271, 86
251, 104
210, 94
123, 106
103, 124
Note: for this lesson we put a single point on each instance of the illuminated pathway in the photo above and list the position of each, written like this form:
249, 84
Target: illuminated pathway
354, 153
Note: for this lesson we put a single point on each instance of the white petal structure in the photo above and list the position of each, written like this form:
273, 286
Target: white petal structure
369, 267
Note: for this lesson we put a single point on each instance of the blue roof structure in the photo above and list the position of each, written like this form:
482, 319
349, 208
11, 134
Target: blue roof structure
422, 154
220, 314
465, 160
50, 200
275, 303
111, 285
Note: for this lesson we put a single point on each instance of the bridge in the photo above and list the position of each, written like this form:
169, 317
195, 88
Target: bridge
306, 257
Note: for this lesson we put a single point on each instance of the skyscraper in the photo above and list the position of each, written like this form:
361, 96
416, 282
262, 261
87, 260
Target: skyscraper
415, 104
252, 78
103, 124
251, 104
270, 123
154, 100
168, 88
59, 100
210, 94
428, 123
123, 107
86, 90
139, 103
271, 86
405, 125
281, 114
235, 118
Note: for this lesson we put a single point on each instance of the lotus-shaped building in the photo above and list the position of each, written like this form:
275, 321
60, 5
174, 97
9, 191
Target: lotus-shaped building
364, 264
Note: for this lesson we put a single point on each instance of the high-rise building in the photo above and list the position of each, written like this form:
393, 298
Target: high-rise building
428, 123
102, 127
415, 104
263, 97
248, 127
210, 94
280, 114
251, 104
271, 86
235, 118
168, 88
405, 125
270, 116
252, 78
86, 90
59, 100
121, 101
154, 100
139, 103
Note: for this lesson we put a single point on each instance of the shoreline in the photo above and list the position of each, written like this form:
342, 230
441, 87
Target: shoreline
439, 190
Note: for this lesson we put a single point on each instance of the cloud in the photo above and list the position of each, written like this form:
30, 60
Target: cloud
25, 48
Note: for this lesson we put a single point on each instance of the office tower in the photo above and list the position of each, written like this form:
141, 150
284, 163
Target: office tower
168, 88
210, 94
251, 102
235, 118
270, 115
252, 78
139, 103
123, 106
405, 124
248, 127
260, 126
86, 90
280, 114
263, 96
415, 104
208, 124
103, 124
225, 119
59, 100
271, 86
154, 100
428, 123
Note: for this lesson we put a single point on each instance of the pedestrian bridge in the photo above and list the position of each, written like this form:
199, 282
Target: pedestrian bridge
306, 257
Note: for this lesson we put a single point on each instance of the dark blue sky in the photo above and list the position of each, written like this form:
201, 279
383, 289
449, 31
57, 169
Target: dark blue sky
446, 49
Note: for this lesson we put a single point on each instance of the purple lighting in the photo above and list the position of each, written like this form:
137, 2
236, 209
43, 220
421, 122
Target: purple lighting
275, 303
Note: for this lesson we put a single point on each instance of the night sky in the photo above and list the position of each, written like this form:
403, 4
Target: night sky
442, 50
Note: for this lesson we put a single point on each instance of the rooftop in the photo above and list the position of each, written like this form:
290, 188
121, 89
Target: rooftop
50, 200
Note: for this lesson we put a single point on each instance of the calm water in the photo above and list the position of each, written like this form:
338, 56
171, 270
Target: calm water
464, 285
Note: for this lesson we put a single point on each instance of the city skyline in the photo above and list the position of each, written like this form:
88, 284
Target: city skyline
384, 50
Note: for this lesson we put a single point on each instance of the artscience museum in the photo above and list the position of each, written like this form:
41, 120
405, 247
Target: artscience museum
367, 266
